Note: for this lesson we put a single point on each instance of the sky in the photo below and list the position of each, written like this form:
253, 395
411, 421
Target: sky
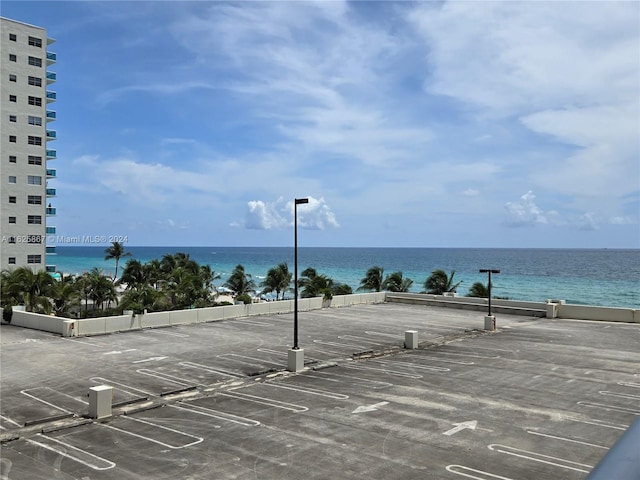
406, 124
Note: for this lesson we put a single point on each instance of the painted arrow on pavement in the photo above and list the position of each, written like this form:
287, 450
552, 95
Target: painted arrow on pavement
370, 408
462, 426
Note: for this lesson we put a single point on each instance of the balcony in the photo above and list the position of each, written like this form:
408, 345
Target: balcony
51, 134
51, 192
51, 154
51, 58
51, 115
50, 211
51, 77
51, 230
51, 96
51, 173
51, 250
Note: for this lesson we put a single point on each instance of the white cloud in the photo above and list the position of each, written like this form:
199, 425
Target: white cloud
621, 221
315, 215
587, 222
525, 212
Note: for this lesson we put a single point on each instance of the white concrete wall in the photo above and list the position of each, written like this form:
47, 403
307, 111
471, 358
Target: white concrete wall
38, 321
587, 312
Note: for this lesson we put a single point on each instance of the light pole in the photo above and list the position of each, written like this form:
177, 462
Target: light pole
489, 271
296, 354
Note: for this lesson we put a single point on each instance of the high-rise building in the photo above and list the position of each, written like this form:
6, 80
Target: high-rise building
25, 155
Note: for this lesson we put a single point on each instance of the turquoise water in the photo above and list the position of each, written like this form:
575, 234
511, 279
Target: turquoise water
589, 277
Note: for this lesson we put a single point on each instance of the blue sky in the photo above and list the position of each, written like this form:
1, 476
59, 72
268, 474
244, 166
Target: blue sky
435, 124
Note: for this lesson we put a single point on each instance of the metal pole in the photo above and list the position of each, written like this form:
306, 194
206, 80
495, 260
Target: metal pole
489, 271
297, 201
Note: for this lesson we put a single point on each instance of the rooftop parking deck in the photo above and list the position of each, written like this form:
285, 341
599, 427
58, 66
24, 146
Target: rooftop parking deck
539, 398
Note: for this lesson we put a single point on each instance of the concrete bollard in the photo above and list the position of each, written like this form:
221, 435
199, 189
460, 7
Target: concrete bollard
100, 400
490, 322
295, 360
411, 339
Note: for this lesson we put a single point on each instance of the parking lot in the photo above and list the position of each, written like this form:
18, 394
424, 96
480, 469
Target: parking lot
536, 399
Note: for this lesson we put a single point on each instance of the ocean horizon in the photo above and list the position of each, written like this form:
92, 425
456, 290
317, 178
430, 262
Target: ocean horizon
607, 277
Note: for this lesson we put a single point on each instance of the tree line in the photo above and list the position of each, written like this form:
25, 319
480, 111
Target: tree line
176, 282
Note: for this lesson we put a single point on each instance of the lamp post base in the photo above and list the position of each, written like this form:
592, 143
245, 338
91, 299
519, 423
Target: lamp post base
295, 359
490, 322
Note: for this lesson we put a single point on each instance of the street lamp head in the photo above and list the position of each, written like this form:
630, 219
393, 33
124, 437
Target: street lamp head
300, 201
487, 270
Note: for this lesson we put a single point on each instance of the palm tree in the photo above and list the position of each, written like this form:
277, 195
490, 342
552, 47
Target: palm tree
100, 289
278, 280
65, 295
479, 290
116, 250
240, 282
395, 283
372, 280
438, 282
134, 275
22, 286
314, 284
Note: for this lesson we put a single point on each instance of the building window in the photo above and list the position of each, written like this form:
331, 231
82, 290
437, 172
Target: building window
34, 200
34, 258
13, 58
13, 37
35, 160
12, 219
12, 260
13, 139
35, 42
35, 120
12, 179
13, 118
35, 81
34, 239
35, 61
34, 180
35, 140
12, 199
13, 159
34, 219
13, 77
37, 101
13, 98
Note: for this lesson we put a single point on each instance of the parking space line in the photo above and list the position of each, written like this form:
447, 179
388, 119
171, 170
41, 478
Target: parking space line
234, 355
413, 365
207, 368
609, 407
600, 423
382, 334
163, 376
384, 370
473, 355
173, 447
8, 420
173, 334
445, 360
107, 464
309, 390
370, 383
254, 322
539, 457
265, 401
336, 344
629, 384
621, 395
38, 399
111, 383
564, 439
347, 337
483, 475
280, 353
210, 412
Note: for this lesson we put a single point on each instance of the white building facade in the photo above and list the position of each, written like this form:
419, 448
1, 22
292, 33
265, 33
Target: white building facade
26, 210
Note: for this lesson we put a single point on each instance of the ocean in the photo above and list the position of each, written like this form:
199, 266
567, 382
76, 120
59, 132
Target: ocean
607, 277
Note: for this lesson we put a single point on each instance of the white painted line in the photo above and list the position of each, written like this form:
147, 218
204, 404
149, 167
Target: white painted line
209, 412
86, 344
390, 335
471, 425
173, 334
309, 390
370, 408
629, 384
265, 401
473, 355
358, 380
539, 457
564, 439
479, 474
412, 365
106, 464
621, 395
255, 322
600, 423
281, 353
357, 338
118, 352
37, 399
150, 359
339, 345
163, 376
253, 361
384, 370
609, 407
207, 368
482, 348
8, 420
173, 447
446, 360
111, 383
